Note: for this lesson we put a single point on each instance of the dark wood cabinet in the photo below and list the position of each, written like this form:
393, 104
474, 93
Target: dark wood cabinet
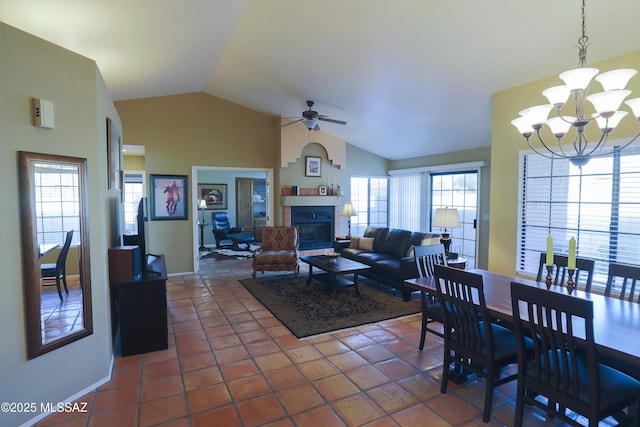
140, 311
251, 206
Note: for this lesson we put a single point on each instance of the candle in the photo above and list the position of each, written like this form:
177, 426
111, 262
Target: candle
571, 262
549, 250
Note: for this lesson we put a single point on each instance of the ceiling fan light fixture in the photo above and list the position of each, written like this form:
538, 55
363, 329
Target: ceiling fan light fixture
310, 123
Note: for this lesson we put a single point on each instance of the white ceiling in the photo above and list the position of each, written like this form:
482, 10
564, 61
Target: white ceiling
411, 77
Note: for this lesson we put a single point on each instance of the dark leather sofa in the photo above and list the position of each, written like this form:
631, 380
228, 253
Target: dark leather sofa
391, 260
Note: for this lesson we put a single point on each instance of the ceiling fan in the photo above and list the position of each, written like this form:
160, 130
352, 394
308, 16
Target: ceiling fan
310, 118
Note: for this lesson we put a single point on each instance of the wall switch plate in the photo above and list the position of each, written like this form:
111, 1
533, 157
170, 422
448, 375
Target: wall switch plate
43, 113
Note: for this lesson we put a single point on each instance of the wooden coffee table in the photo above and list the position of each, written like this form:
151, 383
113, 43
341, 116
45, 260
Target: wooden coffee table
335, 271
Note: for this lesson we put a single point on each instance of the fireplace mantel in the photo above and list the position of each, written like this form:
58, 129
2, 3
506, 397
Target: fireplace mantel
311, 200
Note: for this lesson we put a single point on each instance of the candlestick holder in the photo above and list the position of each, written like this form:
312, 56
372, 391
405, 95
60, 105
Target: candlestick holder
548, 279
570, 283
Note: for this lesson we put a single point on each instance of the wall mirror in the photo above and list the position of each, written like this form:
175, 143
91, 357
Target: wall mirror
55, 244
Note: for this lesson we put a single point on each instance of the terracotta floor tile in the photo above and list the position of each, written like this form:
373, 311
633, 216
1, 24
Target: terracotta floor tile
163, 409
419, 416
231, 354
300, 398
321, 416
160, 369
421, 386
123, 377
196, 347
347, 361
219, 343
304, 354
242, 368
367, 377
358, 409
317, 369
225, 416
248, 387
197, 361
273, 361
202, 377
391, 397
161, 387
110, 399
329, 348
357, 341
396, 368
454, 409
126, 416
375, 353
285, 377
190, 336
206, 398
335, 387
260, 410
261, 348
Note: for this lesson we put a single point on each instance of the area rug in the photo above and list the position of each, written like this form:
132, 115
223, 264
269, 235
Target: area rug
311, 310
223, 254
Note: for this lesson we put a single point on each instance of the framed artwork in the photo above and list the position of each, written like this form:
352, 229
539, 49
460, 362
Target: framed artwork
114, 156
313, 166
169, 197
214, 194
322, 190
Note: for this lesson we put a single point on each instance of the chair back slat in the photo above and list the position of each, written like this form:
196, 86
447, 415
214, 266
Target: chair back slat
427, 257
627, 274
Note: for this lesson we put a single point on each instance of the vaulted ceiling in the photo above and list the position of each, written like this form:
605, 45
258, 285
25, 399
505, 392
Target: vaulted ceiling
411, 77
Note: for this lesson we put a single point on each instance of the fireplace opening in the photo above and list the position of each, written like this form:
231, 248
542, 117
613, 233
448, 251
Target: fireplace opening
315, 226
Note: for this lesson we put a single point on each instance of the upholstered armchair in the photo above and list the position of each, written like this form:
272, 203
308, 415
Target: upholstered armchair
279, 251
222, 229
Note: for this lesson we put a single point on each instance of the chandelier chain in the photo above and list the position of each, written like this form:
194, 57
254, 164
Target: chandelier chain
583, 41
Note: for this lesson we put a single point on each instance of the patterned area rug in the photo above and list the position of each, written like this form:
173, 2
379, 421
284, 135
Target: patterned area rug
228, 253
311, 310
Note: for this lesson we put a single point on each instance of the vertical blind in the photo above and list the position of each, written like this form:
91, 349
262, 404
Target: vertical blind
405, 198
597, 204
369, 197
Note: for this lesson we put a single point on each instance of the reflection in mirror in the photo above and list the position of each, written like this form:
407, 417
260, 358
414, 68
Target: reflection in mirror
55, 250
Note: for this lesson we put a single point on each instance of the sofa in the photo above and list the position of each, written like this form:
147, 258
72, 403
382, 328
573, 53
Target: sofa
389, 253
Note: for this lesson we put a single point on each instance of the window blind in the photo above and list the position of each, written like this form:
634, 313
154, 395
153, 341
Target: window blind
597, 204
405, 198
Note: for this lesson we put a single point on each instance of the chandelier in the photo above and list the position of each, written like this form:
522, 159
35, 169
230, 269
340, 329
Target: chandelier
606, 105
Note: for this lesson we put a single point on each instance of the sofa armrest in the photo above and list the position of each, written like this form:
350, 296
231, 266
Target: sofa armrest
340, 245
408, 268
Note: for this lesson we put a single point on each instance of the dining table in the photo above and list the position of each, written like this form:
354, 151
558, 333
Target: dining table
45, 248
616, 322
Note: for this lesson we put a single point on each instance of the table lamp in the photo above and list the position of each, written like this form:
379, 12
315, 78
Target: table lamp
447, 218
202, 206
348, 211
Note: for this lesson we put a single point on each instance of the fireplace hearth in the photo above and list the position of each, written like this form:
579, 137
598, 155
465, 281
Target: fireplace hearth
315, 226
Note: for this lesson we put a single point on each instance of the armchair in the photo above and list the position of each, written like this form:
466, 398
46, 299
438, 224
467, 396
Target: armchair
222, 230
279, 251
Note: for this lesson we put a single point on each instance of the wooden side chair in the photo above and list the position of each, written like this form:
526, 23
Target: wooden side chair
471, 340
58, 271
584, 270
279, 251
622, 281
563, 366
427, 257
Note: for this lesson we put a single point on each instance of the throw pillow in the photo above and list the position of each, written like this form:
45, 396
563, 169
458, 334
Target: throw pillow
354, 243
366, 244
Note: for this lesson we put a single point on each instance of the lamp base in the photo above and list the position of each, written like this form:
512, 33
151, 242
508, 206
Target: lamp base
446, 241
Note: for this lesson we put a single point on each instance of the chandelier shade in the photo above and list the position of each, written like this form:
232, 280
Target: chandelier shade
606, 106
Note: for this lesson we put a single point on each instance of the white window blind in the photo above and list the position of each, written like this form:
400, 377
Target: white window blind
369, 197
598, 205
405, 198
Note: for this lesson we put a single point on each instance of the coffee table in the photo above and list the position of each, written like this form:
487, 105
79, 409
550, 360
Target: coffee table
335, 271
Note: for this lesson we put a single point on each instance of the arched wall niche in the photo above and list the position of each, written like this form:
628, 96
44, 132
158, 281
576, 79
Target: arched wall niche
294, 138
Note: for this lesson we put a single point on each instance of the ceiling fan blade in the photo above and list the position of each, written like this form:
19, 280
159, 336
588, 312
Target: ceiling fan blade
290, 123
326, 119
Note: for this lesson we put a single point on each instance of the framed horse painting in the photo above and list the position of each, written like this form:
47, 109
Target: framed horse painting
169, 197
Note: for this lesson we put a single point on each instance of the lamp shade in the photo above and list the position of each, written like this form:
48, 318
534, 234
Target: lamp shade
203, 204
347, 210
446, 218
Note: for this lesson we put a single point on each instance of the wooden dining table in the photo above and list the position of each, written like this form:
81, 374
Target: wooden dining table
616, 322
45, 248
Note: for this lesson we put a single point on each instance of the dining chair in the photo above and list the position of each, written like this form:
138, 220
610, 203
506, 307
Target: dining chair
427, 257
471, 340
57, 271
559, 274
563, 366
621, 280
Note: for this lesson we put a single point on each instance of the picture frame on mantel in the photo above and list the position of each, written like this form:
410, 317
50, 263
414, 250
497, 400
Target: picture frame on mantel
313, 166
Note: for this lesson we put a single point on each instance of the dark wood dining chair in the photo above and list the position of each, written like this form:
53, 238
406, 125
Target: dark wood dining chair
57, 271
621, 281
471, 340
427, 257
563, 366
584, 269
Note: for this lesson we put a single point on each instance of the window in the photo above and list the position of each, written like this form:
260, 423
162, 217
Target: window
405, 197
369, 197
596, 204
57, 202
133, 191
458, 190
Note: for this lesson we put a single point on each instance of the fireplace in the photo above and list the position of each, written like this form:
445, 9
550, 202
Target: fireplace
315, 226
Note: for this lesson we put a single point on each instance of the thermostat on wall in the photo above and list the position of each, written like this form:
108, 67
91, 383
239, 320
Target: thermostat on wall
43, 113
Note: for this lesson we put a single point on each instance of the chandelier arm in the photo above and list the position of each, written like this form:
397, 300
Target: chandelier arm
619, 148
597, 148
553, 155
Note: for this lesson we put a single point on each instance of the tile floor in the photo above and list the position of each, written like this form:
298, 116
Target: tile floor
231, 363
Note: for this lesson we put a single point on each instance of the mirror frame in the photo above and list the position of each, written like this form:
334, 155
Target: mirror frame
30, 254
